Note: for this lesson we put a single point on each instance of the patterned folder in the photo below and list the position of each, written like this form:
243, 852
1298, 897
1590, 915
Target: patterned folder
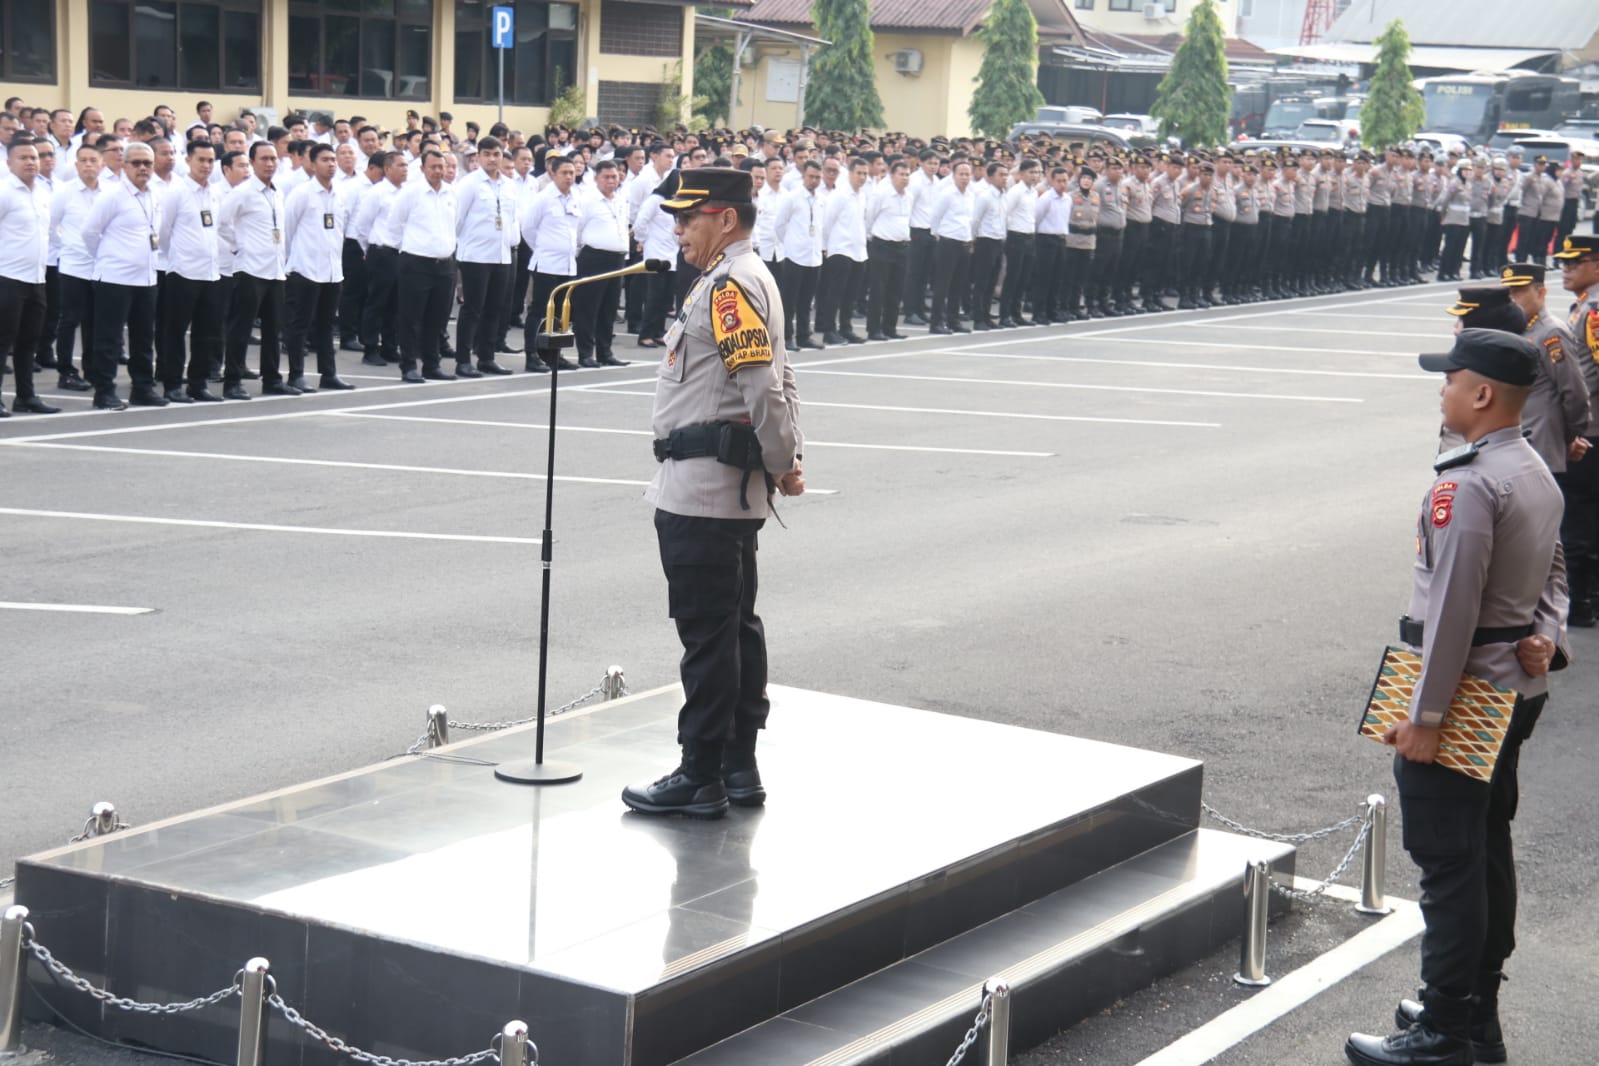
1473, 730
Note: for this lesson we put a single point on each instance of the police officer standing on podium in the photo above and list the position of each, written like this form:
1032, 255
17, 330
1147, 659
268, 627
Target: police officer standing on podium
727, 436
1488, 574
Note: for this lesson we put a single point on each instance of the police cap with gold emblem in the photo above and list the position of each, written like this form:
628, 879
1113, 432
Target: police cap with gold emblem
1488, 306
1578, 245
710, 184
1519, 275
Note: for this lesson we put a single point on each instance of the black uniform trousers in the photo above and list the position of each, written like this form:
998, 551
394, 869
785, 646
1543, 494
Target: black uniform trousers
1078, 269
519, 284
426, 287
192, 315
1457, 830
312, 307
835, 294
380, 323
1376, 235
1354, 244
885, 267
658, 304
1453, 256
352, 293
1196, 259
635, 286
1283, 230
919, 272
711, 581
1241, 269
1220, 239
1530, 239
21, 322
1479, 246
116, 306
1018, 267
1049, 265
798, 288
1135, 238
1159, 254
987, 256
77, 318
594, 306
543, 285
1579, 532
1567, 225
1108, 246
484, 303
952, 265
254, 298
44, 349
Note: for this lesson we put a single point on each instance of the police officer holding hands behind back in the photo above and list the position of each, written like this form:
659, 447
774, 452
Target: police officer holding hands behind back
726, 415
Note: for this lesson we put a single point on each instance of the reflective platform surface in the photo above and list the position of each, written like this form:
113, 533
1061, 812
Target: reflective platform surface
415, 906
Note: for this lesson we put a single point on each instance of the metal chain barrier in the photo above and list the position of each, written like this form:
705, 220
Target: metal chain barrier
7, 882
1282, 838
970, 1038
1312, 894
66, 974
612, 687
333, 1043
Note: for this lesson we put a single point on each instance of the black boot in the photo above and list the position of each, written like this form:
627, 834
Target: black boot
1438, 1037
741, 777
1487, 1038
693, 789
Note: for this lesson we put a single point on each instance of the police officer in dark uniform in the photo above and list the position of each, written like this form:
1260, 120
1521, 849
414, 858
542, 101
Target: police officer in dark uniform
1488, 574
726, 424
1579, 274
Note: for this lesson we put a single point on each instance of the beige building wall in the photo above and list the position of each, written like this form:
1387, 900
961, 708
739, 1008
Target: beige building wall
73, 91
1173, 20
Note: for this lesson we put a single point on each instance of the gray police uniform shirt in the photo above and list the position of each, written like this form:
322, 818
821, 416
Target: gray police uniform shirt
1584, 323
725, 362
1557, 408
1487, 555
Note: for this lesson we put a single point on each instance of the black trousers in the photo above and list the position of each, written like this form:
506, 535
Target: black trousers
1579, 531
1479, 247
1457, 830
1281, 253
711, 581
1159, 256
683, 278
919, 271
116, 307
426, 287
21, 322
543, 285
352, 294
1049, 267
1241, 268
885, 263
1567, 225
952, 265
658, 304
515, 294
1376, 236
1108, 248
987, 255
380, 322
44, 349
1018, 268
1079, 267
77, 318
312, 308
594, 306
1530, 239
192, 317
798, 289
836, 289
1135, 238
635, 287
1453, 255
479, 323
254, 298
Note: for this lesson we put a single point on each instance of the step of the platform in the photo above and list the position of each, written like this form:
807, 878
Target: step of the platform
1064, 957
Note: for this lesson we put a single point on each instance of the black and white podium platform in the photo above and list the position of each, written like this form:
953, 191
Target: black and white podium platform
414, 907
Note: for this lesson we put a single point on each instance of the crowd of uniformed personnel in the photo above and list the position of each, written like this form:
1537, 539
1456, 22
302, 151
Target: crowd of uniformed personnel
311, 236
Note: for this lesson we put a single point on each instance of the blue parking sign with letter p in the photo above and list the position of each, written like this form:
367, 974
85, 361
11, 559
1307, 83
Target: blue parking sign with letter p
504, 26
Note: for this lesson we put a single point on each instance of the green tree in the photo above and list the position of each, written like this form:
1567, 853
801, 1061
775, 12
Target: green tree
842, 93
1194, 100
713, 73
1393, 111
1007, 83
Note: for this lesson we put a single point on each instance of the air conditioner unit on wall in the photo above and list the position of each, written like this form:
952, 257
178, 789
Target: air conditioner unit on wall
1154, 12
908, 61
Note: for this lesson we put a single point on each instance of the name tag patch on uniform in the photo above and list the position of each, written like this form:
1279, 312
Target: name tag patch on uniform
205, 218
741, 336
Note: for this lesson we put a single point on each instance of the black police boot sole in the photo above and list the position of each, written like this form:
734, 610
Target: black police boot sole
707, 811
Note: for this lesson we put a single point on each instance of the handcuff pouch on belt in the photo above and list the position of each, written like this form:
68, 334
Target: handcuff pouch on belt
730, 443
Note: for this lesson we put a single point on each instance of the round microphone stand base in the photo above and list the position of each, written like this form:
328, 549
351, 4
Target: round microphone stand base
531, 772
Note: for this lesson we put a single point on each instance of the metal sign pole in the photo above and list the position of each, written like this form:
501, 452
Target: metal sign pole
501, 116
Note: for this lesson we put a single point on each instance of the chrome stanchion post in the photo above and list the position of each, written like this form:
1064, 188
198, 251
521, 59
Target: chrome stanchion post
998, 991
253, 1012
1374, 870
12, 980
1252, 949
438, 726
514, 1046
614, 685
103, 819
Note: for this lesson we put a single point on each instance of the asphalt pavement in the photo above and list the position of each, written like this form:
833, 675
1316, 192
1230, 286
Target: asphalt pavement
1191, 532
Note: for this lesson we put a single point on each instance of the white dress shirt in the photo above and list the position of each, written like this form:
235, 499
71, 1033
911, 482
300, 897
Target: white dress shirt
647, 181
922, 191
798, 226
1052, 213
766, 203
888, 214
422, 221
251, 229
844, 223
656, 231
188, 231
602, 222
549, 226
69, 209
24, 230
1020, 200
953, 213
120, 235
485, 219
314, 217
372, 216
988, 211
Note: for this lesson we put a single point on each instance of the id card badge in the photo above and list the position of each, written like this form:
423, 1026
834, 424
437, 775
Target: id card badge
497, 223
277, 236
327, 220
153, 243
205, 218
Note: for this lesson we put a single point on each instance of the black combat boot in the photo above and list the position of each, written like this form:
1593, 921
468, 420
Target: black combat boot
1438, 1037
741, 777
1487, 1038
693, 789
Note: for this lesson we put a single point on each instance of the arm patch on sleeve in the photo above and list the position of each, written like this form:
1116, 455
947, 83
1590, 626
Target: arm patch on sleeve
741, 335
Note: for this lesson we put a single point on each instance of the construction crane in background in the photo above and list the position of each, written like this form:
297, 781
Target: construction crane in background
1319, 15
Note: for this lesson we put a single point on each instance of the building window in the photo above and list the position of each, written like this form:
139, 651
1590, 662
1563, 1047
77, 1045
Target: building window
1085, 5
541, 66
632, 29
28, 40
1169, 6
200, 45
1246, 8
374, 49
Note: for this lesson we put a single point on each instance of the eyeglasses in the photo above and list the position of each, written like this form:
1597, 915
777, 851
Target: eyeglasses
141, 163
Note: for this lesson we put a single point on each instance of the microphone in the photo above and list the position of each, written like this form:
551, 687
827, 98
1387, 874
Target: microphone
561, 296
656, 266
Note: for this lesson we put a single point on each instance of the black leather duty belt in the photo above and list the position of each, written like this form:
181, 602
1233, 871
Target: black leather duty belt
1413, 632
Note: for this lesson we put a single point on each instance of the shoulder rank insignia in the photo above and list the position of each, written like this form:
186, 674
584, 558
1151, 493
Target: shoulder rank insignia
741, 336
1460, 456
1592, 329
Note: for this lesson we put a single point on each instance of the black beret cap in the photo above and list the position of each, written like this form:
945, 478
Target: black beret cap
1495, 354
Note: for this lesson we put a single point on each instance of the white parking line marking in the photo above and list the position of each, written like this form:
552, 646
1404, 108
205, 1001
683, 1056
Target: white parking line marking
1438, 337
1162, 342
977, 414
515, 475
74, 608
1292, 990
647, 433
1190, 366
1096, 388
86, 516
